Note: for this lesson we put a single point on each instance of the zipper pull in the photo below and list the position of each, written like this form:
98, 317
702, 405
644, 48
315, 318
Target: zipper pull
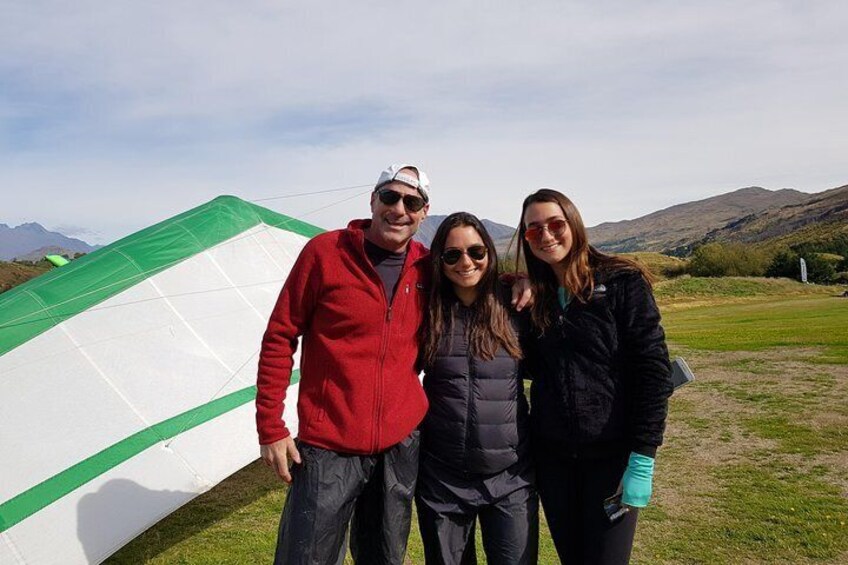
407, 289
389, 314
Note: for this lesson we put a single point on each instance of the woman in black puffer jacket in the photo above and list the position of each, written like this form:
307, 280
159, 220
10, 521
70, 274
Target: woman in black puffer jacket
474, 460
601, 383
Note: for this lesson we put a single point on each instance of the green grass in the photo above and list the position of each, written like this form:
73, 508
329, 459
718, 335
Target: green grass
719, 289
780, 414
753, 470
795, 437
817, 321
755, 366
782, 510
763, 512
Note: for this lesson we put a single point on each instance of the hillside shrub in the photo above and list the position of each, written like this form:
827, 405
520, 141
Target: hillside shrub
506, 263
836, 244
785, 263
728, 260
675, 270
821, 268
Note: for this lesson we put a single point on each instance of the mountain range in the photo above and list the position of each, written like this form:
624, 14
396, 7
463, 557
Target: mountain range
748, 215
815, 214
31, 241
502, 234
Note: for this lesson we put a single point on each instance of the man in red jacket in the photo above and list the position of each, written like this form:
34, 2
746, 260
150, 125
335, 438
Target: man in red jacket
356, 297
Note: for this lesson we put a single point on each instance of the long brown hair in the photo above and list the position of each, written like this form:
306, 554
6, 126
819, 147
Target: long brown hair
581, 262
490, 327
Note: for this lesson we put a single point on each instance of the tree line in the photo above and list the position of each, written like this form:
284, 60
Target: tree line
827, 262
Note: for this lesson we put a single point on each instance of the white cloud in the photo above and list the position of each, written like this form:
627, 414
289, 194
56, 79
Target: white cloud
128, 112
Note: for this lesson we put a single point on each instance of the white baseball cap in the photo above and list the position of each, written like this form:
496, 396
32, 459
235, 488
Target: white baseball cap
392, 173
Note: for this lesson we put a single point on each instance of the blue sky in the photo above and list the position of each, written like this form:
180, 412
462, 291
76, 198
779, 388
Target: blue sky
115, 115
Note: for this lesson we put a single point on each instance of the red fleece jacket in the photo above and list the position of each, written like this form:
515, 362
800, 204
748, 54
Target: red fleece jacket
359, 388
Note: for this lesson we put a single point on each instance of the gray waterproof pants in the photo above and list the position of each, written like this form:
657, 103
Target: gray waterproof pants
328, 488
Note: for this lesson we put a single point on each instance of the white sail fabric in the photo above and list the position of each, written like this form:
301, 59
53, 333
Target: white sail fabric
165, 368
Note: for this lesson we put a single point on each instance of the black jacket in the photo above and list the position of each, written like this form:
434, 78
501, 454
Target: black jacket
477, 422
601, 374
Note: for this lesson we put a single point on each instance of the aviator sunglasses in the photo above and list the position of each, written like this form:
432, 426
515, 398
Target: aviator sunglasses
555, 227
411, 202
476, 252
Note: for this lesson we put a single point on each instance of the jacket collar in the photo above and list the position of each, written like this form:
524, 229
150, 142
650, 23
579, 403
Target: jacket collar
356, 230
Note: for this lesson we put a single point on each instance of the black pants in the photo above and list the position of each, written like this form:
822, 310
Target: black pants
505, 503
329, 488
573, 490
510, 528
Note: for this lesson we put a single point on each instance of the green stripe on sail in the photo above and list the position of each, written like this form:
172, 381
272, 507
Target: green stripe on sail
43, 302
50, 490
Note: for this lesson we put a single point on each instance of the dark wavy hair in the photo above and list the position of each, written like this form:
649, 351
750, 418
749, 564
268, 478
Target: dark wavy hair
490, 326
581, 262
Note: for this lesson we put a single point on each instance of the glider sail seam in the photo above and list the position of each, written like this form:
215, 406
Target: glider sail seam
34, 499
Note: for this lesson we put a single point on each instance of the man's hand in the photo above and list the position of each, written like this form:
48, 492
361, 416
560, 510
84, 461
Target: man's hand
276, 455
522, 293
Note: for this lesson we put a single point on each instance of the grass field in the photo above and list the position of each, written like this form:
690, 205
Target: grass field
755, 464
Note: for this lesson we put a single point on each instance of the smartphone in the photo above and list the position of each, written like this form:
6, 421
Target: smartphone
614, 509
681, 374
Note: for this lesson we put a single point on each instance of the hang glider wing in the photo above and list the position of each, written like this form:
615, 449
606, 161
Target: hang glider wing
127, 378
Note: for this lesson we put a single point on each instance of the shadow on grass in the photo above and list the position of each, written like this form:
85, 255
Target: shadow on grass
208, 510
119, 508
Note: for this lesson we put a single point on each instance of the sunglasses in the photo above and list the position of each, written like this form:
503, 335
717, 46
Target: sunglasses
411, 202
555, 227
452, 256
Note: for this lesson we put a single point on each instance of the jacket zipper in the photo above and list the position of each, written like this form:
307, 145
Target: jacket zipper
378, 395
469, 392
384, 348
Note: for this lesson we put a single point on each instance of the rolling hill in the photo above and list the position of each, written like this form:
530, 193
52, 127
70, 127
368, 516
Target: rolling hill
13, 274
822, 216
679, 226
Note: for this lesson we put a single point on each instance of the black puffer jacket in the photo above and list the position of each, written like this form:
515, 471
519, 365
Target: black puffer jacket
601, 374
477, 422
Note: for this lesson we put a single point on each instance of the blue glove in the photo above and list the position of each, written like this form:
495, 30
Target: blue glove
637, 480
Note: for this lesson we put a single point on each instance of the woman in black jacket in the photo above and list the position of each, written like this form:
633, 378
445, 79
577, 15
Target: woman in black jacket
601, 383
474, 460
